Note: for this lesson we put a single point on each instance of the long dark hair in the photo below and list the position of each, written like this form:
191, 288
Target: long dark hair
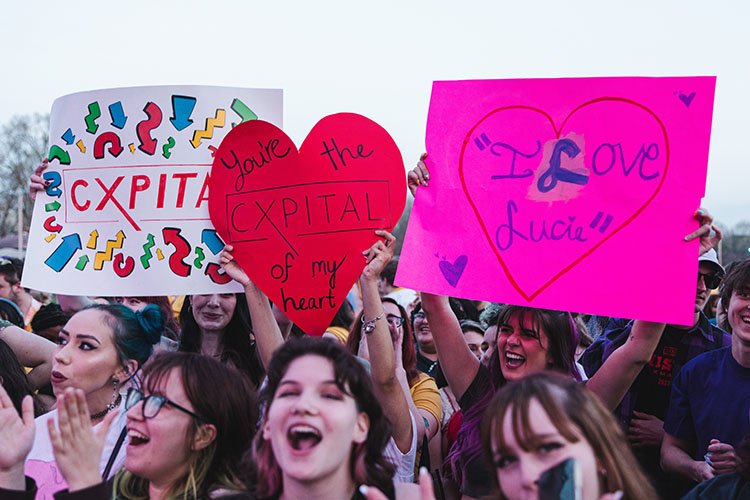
233, 412
236, 346
367, 463
14, 379
576, 413
408, 352
562, 339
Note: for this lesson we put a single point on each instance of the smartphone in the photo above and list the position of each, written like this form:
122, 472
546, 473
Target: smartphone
561, 482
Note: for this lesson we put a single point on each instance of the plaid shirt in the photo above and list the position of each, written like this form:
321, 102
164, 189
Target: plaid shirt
702, 337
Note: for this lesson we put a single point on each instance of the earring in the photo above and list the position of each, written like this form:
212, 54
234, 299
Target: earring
115, 395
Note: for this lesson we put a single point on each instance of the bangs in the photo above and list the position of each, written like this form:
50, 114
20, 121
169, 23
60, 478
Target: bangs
155, 375
523, 431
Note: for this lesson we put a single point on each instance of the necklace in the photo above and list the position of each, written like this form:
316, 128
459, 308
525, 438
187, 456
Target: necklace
111, 406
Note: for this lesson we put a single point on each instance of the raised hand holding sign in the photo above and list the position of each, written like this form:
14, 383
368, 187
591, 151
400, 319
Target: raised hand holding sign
300, 220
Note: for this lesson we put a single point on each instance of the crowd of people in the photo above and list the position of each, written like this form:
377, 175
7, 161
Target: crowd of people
407, 395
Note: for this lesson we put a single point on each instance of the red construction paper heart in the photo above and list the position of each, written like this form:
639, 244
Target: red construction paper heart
506, 156
299, 220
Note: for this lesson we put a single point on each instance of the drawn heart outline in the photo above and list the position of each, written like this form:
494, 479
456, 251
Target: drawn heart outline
557, 131
262, 244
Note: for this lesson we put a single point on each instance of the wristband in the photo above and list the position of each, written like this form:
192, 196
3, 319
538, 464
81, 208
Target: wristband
369, 326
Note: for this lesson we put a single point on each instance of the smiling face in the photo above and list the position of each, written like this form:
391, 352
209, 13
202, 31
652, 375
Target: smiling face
522, 349
424, 334
86, 358
160, 447
738, 315
312, 424
518, 469
213, 312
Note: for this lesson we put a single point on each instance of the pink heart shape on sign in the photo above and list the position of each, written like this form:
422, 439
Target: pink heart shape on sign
591, 180
299, 220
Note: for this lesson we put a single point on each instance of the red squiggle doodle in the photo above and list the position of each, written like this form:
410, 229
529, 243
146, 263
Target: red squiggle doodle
144, 128
213, 271
530, 296
172, 237
115, 147
123, 266
51, 226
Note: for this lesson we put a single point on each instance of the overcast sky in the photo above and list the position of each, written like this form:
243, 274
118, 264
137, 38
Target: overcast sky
379, 58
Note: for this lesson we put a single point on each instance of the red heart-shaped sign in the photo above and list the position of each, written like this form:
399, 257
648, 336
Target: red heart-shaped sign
299, 220
541, 162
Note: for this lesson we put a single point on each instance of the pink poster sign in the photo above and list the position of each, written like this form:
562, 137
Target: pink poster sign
571, 194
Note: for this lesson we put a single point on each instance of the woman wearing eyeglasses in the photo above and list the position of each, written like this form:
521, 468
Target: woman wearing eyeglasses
425, 401
100, 349
186, 438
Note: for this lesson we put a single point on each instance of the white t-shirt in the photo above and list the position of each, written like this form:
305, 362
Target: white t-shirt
41, 465
404, 462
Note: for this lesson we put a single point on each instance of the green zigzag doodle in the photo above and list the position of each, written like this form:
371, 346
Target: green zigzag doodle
147, 255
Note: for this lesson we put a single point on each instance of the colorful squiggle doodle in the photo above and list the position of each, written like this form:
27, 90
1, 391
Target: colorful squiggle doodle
241, 109
51, 226
93, 238
172, 236
106, 255
68, 137
182, 108
212, 240
123, 266
94, 113
69, 245
159, 255
211, 123
55, 181
107, 138
147, 255
198, 262
52, 207
213, 271
58, 153
82, 261
50, 237
144, 128
80, 145
132, 148
117, 114
166, 148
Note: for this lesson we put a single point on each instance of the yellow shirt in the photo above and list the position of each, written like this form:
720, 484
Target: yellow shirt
425, 394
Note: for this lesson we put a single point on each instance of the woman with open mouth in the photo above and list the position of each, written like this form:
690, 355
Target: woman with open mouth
100, 349
186, 439
324, 432
528, 341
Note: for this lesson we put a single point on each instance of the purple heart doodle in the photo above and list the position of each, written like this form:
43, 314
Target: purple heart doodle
686, 99
453, 272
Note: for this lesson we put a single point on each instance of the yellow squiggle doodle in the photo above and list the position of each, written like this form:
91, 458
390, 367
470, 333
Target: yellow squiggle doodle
81, 146
50, 237
159, 255
132, 148
106, 255
210, 124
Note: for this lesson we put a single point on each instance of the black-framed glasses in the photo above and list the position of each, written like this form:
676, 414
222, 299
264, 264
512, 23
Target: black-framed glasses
394, 320
152, 404
712, 280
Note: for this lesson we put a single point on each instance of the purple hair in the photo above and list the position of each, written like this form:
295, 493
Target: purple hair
562, 336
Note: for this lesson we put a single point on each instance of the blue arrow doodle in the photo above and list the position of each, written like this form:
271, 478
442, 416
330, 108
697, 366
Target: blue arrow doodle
69, 245
182, 107
117, 114
212, 240
68, 137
